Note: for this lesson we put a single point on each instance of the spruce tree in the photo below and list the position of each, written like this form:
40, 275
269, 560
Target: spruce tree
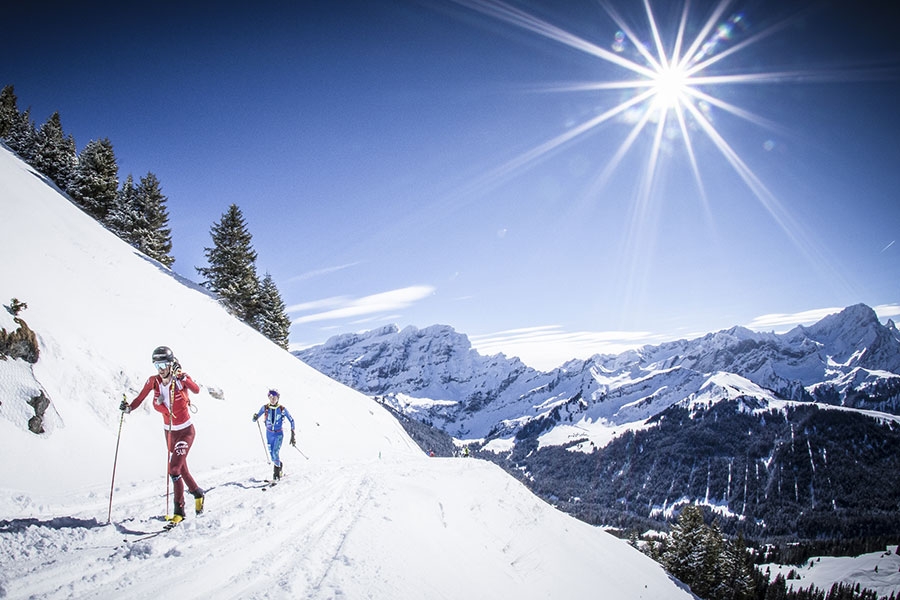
54, 154
694, 553
232, 266
96, 182
122, 218
272, 320
9, 110
20, 137
155, 237
737, 571
140, 218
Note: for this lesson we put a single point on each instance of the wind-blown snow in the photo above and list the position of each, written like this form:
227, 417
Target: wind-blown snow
366, 516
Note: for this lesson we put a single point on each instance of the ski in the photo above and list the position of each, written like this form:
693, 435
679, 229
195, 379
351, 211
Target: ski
167, 527
264, 484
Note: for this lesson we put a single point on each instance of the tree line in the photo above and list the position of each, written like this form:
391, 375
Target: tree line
717, 567
136, 212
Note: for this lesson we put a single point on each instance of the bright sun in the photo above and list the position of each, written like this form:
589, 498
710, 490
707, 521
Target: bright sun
671, 82
666, 86
670, 85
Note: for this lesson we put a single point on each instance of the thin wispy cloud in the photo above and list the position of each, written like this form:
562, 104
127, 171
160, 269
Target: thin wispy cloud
319, 305
888, 246
549, 346
784, 321
324, 271
781, 322
342, 307
887, 311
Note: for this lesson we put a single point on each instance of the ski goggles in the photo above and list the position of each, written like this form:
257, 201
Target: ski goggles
161, 366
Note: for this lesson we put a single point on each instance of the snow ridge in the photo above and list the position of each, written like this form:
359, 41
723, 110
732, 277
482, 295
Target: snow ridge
846, 355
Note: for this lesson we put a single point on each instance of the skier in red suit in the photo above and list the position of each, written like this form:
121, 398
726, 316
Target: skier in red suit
170, 387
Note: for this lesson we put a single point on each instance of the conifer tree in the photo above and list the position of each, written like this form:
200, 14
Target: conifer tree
232, 266
714, 567
9, 110
122, 219
155, 237
777, 589
139, 217
54, 154
272, 320
737, 571
20, 137
685, 556
96, 182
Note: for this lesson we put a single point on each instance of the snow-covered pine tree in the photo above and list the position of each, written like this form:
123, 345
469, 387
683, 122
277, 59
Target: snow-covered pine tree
20, 137
736, 571
232, 266
700, 556
9, 110
123, 217
271, 319
96, 181
156, 238
54, 154
689, 555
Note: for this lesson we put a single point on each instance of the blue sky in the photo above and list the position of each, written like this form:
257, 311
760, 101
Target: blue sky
466, 163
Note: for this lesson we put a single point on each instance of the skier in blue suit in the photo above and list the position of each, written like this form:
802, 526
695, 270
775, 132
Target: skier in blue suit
274, 418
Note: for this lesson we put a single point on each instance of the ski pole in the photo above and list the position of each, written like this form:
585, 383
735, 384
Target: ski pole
115, 460
168, 464
300, 451
169, 443
263, 440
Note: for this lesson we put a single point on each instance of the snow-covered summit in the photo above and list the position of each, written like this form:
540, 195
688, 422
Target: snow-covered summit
842, 355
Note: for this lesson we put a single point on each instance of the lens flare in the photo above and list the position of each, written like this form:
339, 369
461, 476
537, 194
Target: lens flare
670, 90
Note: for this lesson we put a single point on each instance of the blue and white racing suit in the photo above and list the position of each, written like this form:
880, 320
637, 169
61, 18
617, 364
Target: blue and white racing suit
275, 416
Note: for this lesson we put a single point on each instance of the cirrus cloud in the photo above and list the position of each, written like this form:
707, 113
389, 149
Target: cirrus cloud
344, 307
547, 347
781, 322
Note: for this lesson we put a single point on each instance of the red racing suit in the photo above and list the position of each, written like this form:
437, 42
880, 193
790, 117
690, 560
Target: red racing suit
175, 412
173, 401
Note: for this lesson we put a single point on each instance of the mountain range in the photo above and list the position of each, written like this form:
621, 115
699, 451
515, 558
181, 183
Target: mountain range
791, 435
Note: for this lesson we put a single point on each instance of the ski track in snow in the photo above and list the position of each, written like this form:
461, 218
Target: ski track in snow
89, 559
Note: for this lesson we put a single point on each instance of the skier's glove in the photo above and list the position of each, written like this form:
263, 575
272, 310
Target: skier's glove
255, 417
293, 438
125, 407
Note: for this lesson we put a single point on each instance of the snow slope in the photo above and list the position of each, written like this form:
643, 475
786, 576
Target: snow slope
877, 571
366, 516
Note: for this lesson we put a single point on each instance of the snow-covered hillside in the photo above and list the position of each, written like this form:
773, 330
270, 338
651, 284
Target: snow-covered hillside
366, 516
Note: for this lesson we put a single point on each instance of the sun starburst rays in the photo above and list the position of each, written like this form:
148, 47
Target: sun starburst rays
666, 83
668, 91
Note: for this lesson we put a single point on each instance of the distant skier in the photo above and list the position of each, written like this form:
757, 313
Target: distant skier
170, 388
274, 418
